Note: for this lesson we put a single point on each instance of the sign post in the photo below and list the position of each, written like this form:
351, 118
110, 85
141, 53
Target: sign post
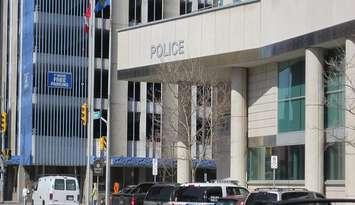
274, 166
155, 168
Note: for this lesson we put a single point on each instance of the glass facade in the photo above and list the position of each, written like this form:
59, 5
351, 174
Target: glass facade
291, 96
334, 161
290, 163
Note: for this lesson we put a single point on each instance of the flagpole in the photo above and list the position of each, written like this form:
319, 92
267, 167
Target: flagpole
108, 124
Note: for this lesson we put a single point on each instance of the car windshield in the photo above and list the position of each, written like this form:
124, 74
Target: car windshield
259, 198
160, 193
198, 194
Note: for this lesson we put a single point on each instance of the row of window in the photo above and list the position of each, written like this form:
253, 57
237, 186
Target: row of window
291, 162
291, 98
156, 8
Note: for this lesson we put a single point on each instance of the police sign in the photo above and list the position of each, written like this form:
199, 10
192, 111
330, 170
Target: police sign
59, 80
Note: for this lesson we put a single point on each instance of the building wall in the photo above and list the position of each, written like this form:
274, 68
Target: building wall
246, 26
262, 101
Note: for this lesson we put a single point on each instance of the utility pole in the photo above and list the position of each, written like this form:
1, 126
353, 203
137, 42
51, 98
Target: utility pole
108, 124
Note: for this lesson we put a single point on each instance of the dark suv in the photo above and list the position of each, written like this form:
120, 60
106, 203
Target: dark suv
271, 195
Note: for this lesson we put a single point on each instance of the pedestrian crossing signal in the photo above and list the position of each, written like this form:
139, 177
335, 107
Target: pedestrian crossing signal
3, 122
84, 114
103, 143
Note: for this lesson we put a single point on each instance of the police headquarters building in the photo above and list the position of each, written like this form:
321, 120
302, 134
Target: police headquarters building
276, 55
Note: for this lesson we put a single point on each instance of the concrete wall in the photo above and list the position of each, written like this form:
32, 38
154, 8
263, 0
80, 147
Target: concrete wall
262, 101
244, 27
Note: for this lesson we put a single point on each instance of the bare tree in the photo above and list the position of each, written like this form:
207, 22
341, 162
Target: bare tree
198, 105
336, 82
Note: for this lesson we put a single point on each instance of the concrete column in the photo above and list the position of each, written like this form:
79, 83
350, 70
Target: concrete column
141, 152
350, 119
183, 163
171, 9
194, 120
120, 19
119, 111
22, 178
239, 128
144, 11
314, 121
227, 2
169, 119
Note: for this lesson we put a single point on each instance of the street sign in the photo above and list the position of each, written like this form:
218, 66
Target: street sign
274, 164
59, 80
155, 167
96, 115
98, 168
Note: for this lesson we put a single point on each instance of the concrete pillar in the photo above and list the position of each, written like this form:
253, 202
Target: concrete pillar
194, 5
350, 119
169, 119
119, 111
183, 163
194, 121
314, 121
171, 9
119, 89
227, 2
239, 128
22, 178
141, 152
144, 11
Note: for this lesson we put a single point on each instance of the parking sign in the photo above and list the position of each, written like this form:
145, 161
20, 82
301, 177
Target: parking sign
273, 162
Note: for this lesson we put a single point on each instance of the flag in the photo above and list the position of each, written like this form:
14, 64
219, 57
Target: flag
87, 16
101, 4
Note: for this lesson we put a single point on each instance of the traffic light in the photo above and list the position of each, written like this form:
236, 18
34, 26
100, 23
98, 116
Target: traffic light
103, 143
3, 122
84, 114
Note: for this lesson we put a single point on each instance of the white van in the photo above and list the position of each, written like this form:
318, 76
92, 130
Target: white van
56, 190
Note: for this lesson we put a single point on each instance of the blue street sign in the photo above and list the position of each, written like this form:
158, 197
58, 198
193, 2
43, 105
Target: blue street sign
97, 115
59, 80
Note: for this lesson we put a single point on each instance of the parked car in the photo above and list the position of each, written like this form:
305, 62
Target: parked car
134, 197
232, 200
206, 193
160, 194
56, 190
272, 195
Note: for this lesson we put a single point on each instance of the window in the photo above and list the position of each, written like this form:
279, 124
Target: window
162, 193
59, 184
334, 167
203, 131
70, 185
334, 94
154, 92
204, 4
232, 191
154, 10
185, 6
204, 96
135, 9
133, 126
290, 163
134, 95
291, 96
294, 195
150, 122
213, 193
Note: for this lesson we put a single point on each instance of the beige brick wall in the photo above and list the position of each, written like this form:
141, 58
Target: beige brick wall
262, 101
